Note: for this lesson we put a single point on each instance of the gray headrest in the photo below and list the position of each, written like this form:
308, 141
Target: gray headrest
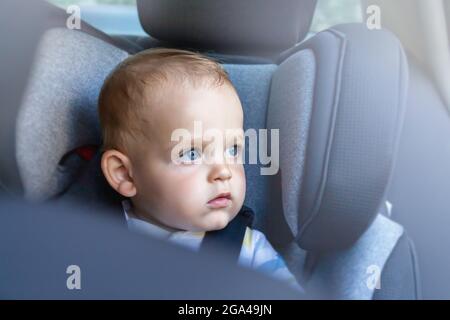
260, 27
333, 186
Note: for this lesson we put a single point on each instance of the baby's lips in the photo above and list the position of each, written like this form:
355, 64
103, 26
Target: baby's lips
222, 200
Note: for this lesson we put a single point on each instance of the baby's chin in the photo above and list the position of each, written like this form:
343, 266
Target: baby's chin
216, 220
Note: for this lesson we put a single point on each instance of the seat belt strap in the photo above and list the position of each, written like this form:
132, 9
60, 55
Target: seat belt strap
229, 239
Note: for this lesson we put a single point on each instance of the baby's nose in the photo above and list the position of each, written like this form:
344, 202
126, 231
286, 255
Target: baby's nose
220, 172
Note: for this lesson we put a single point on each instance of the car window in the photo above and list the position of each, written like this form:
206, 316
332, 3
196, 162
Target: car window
114, 17
331, 12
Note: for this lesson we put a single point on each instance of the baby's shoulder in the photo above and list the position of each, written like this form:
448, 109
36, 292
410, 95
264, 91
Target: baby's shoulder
253, 239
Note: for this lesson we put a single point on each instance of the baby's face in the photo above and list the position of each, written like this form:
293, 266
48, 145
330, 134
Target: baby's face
179, 183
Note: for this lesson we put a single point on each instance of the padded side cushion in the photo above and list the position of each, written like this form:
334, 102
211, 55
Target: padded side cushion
360, 87
290, 108
59, 112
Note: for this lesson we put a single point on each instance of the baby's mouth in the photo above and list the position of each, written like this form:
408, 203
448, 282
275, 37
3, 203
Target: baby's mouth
222, 200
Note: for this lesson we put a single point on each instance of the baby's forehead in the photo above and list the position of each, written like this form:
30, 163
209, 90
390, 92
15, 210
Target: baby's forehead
189, 123
166, 125
179, 106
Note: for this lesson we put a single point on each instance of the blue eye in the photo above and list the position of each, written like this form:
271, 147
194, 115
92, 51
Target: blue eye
233, 151
190, 155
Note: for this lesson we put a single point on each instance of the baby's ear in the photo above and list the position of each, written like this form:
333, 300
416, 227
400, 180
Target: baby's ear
116, 168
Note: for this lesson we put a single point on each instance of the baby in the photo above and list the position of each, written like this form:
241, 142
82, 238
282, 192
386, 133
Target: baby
178, 189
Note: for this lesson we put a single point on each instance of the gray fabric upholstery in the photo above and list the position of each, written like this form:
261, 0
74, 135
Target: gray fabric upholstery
56, 17
346, 272
16, 61
260, 27
400, 278
359, 101
59, 112
253, 84
290, 112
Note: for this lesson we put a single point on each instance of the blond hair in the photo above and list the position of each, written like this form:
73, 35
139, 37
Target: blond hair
132, 84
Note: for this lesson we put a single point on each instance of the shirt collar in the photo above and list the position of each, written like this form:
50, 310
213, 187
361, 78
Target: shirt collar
147, 228
140, 226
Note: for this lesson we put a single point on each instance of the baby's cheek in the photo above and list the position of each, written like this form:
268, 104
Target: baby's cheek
240, 181
187, 183
244, 181
188, 190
